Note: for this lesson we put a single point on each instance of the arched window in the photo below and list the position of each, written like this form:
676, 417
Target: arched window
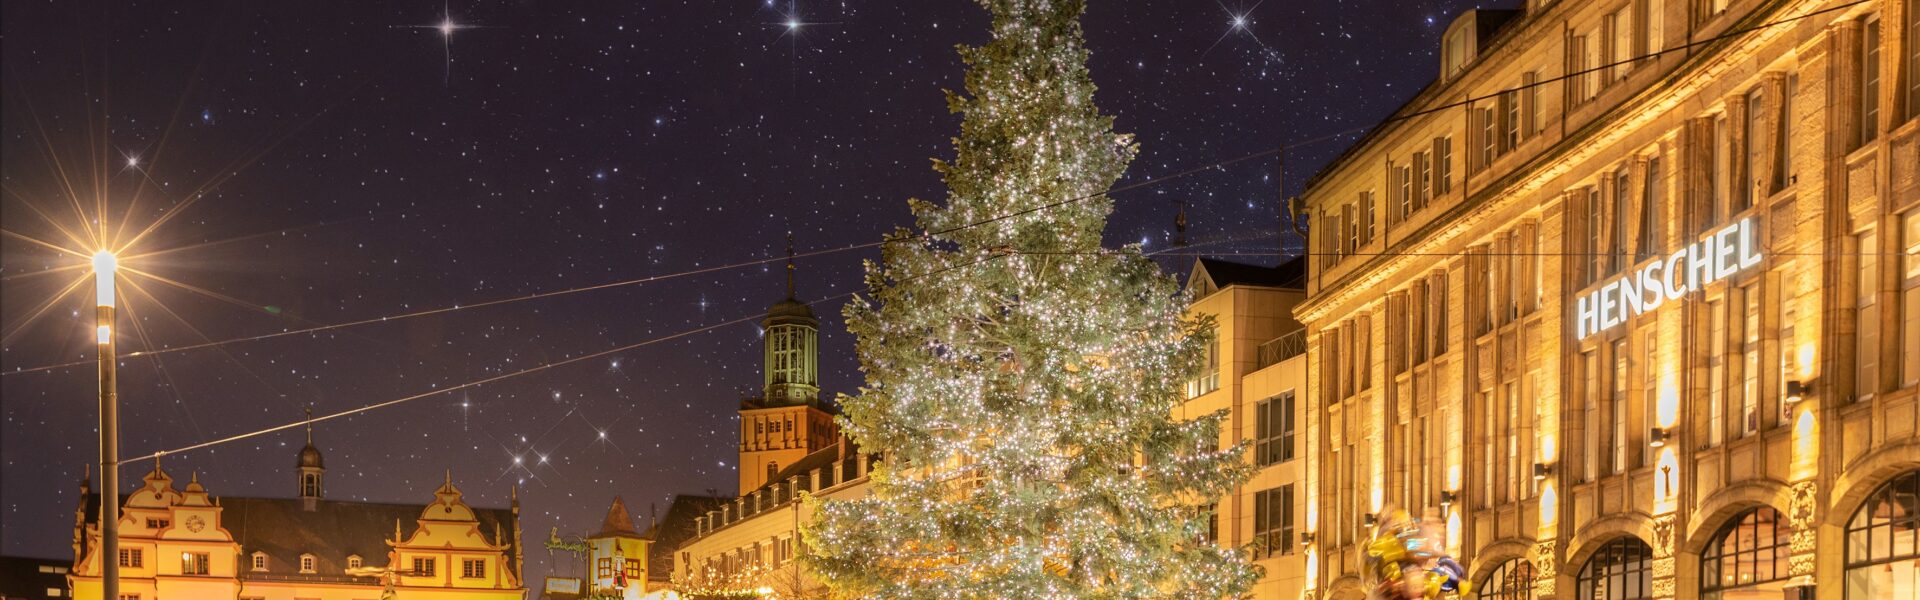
1748, 554
1513, 580
1620, 570
1883, 542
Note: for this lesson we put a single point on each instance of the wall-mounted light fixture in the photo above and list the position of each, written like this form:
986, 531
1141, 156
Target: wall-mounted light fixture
1306, 539
1657, 437
1370, 520
1797, 390
1541, 470
1446, 498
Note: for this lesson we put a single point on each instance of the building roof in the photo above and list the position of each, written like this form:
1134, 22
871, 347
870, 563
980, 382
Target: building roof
674, 529
310, 457
618, 523
334, 530
1223, 273
27, 577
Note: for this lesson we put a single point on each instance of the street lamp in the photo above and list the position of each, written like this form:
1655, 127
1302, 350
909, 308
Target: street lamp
104, 268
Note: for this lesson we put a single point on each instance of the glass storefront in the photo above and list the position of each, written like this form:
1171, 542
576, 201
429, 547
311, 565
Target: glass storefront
1512, 581
1747, 559
1883, 543
1620, 570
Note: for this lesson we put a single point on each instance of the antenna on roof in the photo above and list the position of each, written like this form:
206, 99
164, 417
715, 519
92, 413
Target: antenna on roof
790, 268
1180, 224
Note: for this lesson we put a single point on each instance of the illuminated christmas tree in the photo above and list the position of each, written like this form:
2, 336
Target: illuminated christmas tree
1021, 380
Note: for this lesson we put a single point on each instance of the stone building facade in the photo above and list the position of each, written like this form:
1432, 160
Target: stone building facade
1257, 372
1629, 299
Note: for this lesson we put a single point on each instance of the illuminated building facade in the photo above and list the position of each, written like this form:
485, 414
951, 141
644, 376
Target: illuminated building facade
188, 543
1629, 299
1257, 372
747, 546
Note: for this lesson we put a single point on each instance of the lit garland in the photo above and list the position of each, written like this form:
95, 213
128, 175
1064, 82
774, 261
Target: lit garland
1025, 407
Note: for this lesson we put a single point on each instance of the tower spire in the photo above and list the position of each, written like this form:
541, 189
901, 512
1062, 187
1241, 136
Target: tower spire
309, 424
790, 268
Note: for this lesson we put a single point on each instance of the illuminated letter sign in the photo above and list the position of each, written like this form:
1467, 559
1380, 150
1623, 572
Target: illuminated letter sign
1718, 256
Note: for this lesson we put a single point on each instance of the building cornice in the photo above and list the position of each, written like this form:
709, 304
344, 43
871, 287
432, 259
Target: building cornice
1468, 217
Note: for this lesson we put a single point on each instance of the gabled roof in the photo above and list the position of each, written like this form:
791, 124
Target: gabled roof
334, 530
617, 523
674, 529
1218, 273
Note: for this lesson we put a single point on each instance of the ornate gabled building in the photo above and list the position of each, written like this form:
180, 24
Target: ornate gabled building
188, 543
1629, 297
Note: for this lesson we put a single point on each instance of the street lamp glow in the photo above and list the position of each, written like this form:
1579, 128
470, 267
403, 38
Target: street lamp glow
104, 267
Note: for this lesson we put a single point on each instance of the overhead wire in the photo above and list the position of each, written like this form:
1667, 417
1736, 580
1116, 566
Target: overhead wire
1150, 181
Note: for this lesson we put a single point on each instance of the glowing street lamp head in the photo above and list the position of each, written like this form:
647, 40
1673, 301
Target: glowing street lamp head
104, 268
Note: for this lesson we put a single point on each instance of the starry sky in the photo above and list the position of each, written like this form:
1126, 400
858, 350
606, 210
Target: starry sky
300, 165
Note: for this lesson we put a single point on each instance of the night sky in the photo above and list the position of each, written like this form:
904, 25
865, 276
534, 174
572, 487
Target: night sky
316, 163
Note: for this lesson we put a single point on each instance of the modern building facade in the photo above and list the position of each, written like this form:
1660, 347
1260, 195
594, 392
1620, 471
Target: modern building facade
1256, 372
1629, 299
189, 543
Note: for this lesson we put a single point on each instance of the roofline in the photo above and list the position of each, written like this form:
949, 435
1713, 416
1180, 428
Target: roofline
1522, 21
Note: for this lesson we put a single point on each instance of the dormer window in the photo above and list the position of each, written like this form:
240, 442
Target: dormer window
259, 561
307, 563
1456, 50
353, 562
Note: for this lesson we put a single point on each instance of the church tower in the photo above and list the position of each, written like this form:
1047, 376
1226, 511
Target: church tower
313, 470
786, 422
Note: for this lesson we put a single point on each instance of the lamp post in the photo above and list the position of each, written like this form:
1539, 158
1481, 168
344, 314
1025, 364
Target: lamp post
104, 266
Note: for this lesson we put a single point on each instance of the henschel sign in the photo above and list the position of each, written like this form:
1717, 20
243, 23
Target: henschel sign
1718, 256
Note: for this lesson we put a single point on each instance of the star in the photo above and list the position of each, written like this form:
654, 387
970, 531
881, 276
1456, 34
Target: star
447, 26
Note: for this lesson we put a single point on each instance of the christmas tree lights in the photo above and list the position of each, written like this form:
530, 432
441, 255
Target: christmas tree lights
1021, 380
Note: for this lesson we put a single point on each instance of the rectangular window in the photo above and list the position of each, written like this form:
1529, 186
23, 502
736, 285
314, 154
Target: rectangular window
1530, 101
1617, 423
1652, 199
1656, 29
1423, 179
423, 567
1440, 313
1596, 249
1722, 168
193, 563
1913, 59
1867, 315
1649, 390
1870, 79
1619, 225
1274, 429
1443, 160
131, 557
1489, 137
1590, 421
1749, 154
1621, 24
1749, 359
471, 568
1209, 378
1783, 142
1716, 371
1273, 524
1512, 125
1910, 300
1352, 226
1366, 217
1511, 420
1404, 178
632, 569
